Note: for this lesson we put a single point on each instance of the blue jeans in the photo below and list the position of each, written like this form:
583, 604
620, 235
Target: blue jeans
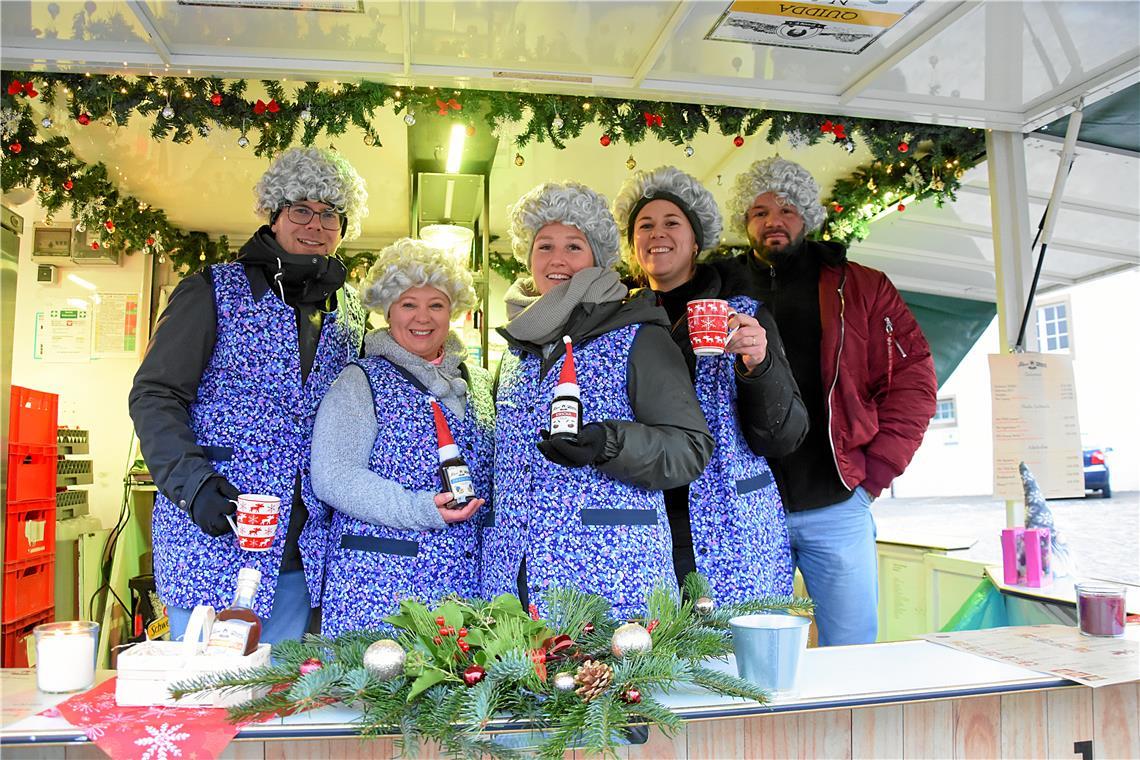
834, 549
289, 618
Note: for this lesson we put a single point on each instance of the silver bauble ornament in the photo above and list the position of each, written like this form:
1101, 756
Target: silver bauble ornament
81, 227
204, 130
167, 112
564, 682
45, 122
243, 141
704, 605
306, 115
410, 119
629, 639
556, 122
384, 659
33, 161
689, 151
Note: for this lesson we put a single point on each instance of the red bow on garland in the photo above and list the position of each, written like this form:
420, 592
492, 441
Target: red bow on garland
652, 119
26, 88
451, 103
261, 107
838, 130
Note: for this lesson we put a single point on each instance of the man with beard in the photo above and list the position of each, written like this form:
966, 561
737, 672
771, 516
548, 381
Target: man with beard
864, 371
225, 399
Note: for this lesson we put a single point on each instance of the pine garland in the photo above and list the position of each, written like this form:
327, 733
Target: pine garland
516, 658
910, 160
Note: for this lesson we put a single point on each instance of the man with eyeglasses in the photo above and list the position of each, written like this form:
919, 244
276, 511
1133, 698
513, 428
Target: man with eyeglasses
225, 399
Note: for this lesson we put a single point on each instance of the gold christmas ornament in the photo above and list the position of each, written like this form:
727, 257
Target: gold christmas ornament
630, 163
384, 659
630, 638
519, 160
593, 678
704, 605
564, 682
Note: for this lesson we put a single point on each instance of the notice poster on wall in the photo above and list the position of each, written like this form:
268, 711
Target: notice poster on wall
116, 325
1035, 421
834, 26
63, 335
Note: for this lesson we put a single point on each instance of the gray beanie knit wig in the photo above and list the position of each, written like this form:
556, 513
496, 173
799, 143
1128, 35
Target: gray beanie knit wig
681, 189
314, 174
567, 203
410, 263
786, 179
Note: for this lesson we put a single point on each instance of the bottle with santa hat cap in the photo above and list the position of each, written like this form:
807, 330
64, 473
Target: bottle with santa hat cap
566, 408
453, 469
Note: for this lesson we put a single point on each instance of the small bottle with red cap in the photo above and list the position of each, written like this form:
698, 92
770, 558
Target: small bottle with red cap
566, 408
453, 470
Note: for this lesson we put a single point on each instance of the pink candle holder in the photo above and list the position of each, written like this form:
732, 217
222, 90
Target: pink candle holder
1100, 609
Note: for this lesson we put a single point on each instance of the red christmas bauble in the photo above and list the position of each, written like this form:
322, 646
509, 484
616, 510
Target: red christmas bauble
68, 184
216, 98
606, 140
738, 141
95, 245
84, 118
309, 665
901, 207
110, 225
632, 695
903, 147
838, 208
15, 147
473, 675
150, 241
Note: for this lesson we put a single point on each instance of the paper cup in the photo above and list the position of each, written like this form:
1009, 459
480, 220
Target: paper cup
768, 650
708, 325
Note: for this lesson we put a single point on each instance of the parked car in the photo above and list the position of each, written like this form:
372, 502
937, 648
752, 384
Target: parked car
1096, 472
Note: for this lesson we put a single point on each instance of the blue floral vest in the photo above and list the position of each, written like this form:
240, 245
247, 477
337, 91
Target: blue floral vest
254, 420
576, 527
372, 567
740, 536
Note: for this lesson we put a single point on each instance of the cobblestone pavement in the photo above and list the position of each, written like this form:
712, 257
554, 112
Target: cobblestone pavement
1103, 534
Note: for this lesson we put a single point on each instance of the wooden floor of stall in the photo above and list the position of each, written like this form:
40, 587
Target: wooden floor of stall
1060, 723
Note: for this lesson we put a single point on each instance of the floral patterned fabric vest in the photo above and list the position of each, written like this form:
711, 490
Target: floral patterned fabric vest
372, 567
253, 418
576, 527
740, 536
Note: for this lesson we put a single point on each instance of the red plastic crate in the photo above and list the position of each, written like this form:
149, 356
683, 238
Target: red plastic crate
31, 471
34, 416
15, 652
30, 530
28, 588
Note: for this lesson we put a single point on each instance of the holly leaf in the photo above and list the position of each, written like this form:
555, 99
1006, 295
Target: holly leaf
429, 678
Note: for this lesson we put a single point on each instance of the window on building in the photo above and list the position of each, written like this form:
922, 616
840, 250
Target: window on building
946, 413
1053, 328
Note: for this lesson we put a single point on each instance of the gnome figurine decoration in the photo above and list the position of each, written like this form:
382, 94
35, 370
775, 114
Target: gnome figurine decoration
1038, 515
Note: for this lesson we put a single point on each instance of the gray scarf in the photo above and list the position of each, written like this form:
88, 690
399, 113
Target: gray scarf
542, 319
443, 381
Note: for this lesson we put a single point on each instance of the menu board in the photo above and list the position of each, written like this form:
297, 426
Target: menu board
1035, 421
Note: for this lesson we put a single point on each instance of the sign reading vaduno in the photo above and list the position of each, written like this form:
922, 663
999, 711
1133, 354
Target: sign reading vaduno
838, 26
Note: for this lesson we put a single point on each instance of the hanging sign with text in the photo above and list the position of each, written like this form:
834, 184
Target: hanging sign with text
835, 26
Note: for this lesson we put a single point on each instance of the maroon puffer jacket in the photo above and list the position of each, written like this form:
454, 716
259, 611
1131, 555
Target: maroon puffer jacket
877, 372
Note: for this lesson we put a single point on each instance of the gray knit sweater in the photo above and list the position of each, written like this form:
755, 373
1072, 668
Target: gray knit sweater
345, 433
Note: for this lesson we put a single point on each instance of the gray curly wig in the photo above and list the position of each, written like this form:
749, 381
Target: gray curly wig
570, 203
671, 184
314, 174
410, 263
786, 179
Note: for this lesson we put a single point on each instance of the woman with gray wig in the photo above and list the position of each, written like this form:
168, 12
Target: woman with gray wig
377, 443
585, 510
729, 523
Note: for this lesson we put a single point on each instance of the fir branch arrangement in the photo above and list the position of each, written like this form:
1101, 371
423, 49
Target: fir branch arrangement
579, 676
910, 160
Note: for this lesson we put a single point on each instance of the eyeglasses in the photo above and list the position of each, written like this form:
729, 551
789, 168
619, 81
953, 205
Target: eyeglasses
302, 215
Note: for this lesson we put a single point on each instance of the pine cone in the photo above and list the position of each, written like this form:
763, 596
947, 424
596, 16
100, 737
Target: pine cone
593, 678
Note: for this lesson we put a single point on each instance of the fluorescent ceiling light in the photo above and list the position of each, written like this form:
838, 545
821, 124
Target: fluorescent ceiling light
81, 282
455, 148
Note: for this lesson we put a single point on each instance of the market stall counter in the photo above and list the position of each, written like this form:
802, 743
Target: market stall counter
900, 699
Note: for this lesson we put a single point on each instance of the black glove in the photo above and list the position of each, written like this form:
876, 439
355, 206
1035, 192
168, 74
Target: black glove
583, 449
211, 506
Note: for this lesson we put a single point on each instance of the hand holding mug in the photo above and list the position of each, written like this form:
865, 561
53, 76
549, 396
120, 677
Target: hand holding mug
452, 514
750, 341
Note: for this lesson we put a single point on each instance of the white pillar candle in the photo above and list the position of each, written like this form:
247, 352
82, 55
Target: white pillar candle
65, 655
